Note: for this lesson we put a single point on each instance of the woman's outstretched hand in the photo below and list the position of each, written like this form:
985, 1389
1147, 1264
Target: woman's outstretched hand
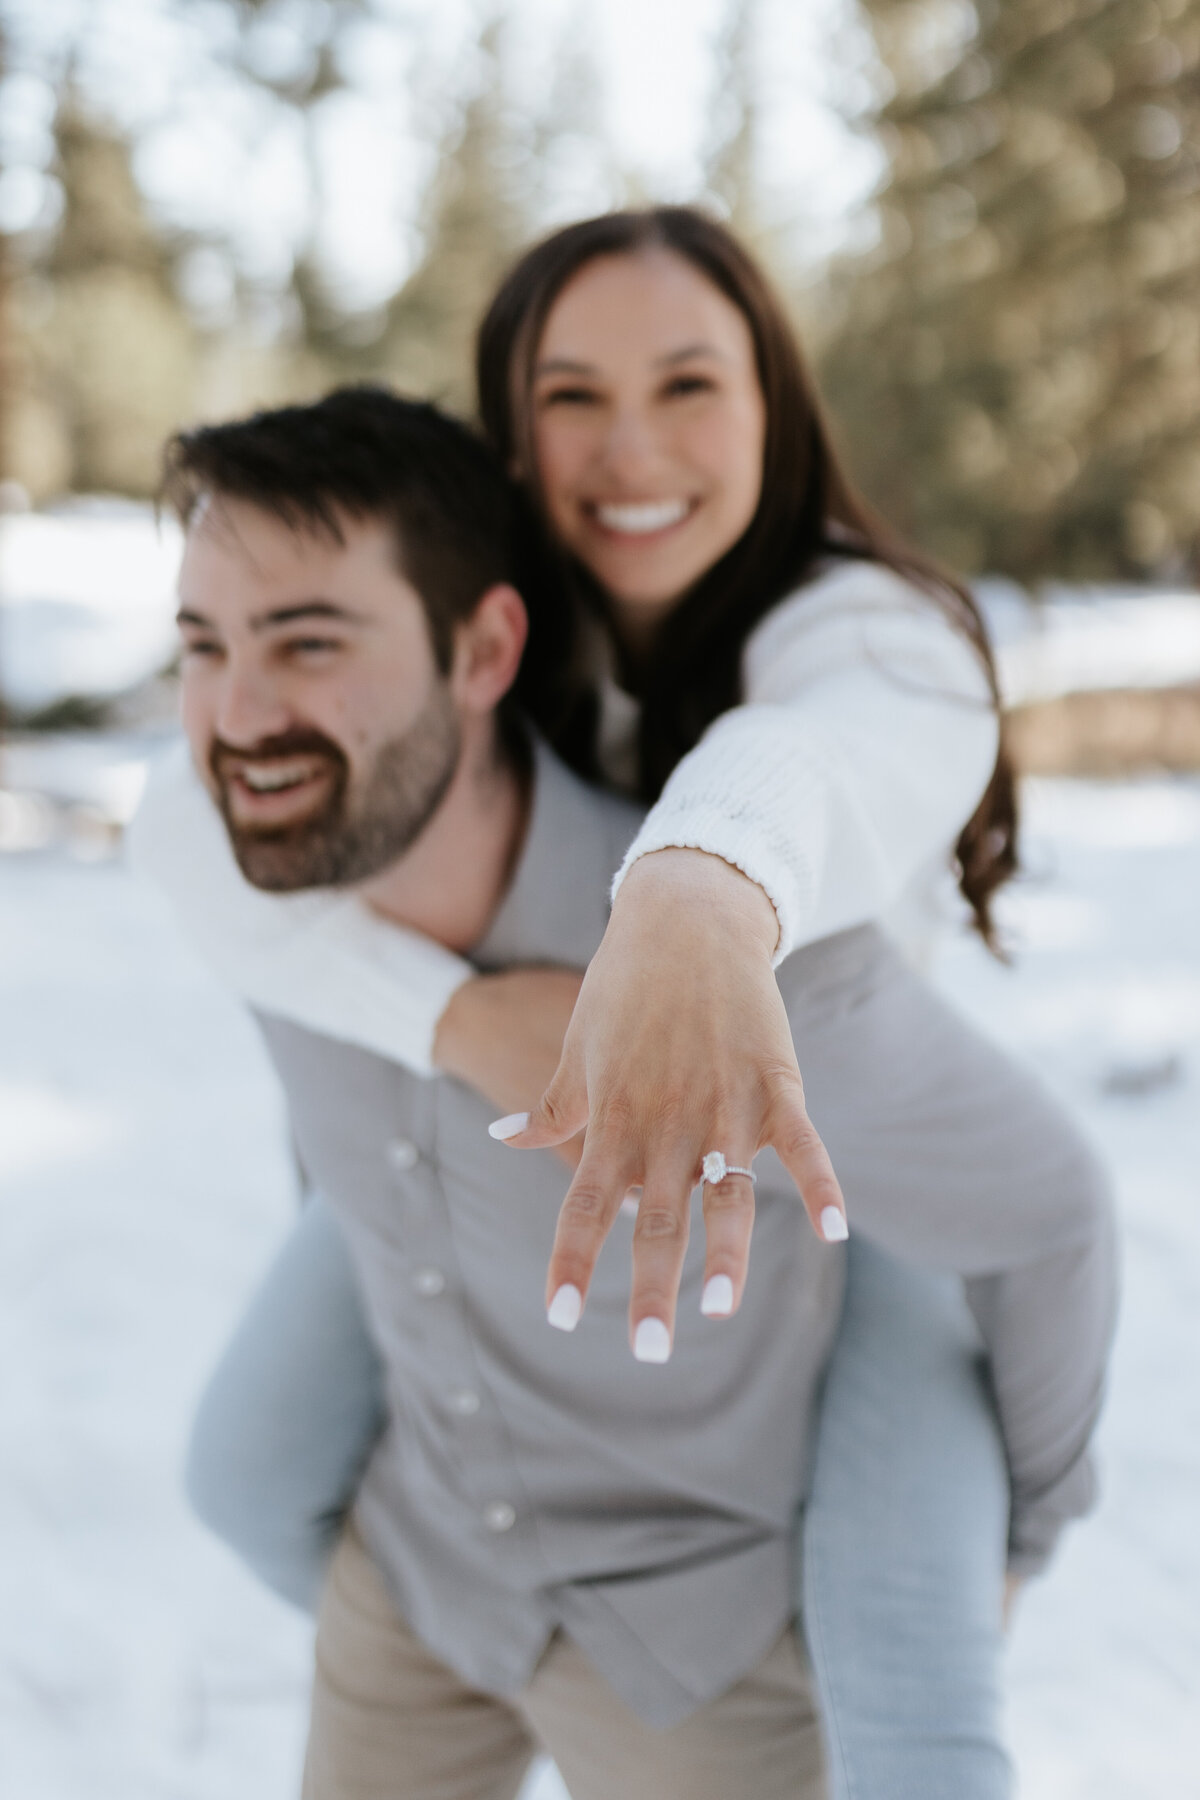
678, 1045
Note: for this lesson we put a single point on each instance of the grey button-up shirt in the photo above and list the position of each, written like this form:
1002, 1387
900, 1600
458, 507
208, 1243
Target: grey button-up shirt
528, 1479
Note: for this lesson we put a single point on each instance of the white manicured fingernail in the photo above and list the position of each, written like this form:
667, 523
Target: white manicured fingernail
717, 1299
508, 1126
565, 1308
834, 1228
652, 1341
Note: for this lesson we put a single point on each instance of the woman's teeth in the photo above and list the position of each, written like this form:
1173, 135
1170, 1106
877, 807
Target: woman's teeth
644, 517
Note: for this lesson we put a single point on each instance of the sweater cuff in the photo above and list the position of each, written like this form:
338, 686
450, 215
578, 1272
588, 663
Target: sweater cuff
754, 792
710, 829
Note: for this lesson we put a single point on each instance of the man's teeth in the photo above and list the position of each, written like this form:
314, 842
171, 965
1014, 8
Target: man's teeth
652, 515
269, 781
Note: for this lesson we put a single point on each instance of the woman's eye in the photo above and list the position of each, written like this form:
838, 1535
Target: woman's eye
568, 396
198, 649
689, 384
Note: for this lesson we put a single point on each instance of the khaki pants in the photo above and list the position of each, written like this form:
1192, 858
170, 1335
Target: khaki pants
391, 1722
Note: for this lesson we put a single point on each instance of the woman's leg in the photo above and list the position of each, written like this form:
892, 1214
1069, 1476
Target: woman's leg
903, 1545
290, 1414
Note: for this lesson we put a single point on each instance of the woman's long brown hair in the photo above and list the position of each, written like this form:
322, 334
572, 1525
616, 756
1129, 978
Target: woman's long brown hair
808, 512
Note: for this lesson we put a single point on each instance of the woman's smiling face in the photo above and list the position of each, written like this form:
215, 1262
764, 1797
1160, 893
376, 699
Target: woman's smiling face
648, 428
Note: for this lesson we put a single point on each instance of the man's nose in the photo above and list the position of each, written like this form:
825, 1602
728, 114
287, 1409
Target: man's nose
250, 708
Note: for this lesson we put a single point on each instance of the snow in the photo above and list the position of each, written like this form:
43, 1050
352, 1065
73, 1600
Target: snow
86, 600
1106, 999
1066, 638
144, 1182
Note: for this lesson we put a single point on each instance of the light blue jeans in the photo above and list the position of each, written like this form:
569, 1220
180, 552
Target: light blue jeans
902, 1543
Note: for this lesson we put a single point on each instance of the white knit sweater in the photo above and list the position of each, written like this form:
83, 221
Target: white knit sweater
863, 744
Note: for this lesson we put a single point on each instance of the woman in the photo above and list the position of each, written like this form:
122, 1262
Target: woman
689, 521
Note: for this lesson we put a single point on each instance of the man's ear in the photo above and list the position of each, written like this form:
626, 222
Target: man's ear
488, 648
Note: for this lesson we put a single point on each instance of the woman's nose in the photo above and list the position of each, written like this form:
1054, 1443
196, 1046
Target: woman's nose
632, 446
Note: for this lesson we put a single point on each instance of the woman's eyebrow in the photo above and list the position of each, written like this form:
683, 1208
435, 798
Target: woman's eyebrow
688, 352
564, 365
568, 365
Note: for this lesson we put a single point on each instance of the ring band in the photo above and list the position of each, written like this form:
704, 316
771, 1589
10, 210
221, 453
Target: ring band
714, 1169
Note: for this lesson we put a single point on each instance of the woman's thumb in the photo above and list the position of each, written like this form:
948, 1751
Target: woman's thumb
560, 1114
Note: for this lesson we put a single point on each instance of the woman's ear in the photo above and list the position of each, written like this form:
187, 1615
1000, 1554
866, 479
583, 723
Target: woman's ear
488, 648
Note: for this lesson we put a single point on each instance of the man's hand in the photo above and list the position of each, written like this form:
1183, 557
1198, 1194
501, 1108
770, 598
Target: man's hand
679, 1045
503, 1035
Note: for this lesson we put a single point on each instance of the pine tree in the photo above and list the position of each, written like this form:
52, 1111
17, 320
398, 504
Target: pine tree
1018, 367
731, 161
105, 353
326, 331
571, 169
8, 366
477, 215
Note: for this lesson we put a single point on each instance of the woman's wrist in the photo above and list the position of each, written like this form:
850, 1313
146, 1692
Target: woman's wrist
727, 899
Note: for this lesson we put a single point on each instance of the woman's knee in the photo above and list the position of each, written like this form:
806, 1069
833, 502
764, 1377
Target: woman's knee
238, 1491
1072, 1196
225, 1478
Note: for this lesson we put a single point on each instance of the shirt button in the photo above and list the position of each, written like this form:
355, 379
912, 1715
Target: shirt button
429, 1283
403, 1155
464, 1401
498, 1515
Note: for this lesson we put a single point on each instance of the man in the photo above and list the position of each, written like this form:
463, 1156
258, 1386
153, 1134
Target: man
551, 1543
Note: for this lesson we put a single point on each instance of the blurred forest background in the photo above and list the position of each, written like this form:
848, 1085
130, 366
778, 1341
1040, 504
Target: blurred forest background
1006, 321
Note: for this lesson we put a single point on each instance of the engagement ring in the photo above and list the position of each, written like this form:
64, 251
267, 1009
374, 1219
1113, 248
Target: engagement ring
714, 1169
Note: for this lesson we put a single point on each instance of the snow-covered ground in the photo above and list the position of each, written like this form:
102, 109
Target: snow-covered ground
143, 1183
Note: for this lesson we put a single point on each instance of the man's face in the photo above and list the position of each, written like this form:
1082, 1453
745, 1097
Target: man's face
312, 700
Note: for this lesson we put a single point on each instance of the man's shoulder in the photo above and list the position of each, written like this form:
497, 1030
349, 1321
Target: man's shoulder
565, 793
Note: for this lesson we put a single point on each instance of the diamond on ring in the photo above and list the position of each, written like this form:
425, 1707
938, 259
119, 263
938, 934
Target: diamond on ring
714, 1168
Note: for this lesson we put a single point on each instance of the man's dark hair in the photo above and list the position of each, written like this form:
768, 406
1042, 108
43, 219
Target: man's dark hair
369, 454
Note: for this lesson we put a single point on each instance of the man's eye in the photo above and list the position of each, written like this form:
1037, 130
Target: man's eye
311, 646
198, 647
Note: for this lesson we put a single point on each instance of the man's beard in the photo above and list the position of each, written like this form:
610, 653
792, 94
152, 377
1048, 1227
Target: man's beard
346, 839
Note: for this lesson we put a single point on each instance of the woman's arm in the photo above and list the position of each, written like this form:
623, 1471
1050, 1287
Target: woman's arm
866, 739
865, 743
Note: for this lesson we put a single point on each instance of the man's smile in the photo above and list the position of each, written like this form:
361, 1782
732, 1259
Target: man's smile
274, 791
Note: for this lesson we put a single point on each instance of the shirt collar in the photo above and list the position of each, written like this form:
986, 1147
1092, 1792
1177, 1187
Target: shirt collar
556, 907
